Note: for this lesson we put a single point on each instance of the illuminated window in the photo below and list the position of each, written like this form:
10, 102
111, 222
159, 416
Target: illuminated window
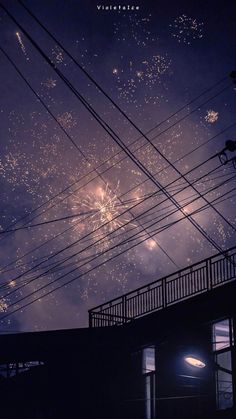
222, 335
223, 341
11, 369
148, 369
148, 360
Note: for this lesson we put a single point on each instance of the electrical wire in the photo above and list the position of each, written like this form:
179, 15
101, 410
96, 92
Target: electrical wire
20, 265
44, 211
68, 282
93, 244
114, 103
63, 191
148, 140
217, 201
92, 213
93, 112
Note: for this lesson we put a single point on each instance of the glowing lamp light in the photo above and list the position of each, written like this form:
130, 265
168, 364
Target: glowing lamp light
194, 362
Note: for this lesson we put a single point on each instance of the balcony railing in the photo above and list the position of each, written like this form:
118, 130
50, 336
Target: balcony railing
186, 283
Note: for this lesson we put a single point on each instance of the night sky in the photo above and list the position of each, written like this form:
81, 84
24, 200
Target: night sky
151, 62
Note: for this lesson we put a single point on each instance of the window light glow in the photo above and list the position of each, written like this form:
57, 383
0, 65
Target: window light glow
194, 362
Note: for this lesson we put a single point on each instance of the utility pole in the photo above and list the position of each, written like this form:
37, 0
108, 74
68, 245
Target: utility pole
230, 146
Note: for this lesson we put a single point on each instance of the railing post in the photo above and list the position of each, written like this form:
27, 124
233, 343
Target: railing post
124, 308
226, 276
164, 292
90, 319
209, 274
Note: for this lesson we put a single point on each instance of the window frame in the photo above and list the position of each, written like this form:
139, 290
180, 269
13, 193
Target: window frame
149, 376
216, 352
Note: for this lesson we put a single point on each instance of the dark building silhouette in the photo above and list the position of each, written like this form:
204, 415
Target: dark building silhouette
165, 350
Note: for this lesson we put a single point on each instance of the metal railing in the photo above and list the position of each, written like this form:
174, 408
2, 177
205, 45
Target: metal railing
186, 283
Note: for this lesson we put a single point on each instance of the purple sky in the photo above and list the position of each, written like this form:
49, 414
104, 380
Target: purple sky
151, 63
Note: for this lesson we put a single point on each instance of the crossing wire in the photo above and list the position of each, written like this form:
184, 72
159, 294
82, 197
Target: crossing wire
107, 160
102, 90
20, 265
71, 139
138, 185
92, 213
118, 141
100, 240
112, 101
74, 279
53, 269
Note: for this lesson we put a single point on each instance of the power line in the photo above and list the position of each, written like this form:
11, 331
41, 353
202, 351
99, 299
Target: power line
70, 138
98, 241
141, 183
19, 265
114, 103
94, 212
43, 212
65, 132
114, 218
116, 138
109, 233
48, 241
217, 200
71, 280
96, 116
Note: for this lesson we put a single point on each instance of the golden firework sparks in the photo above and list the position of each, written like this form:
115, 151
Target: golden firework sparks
211, 116
3, 305
105, 208
105, 205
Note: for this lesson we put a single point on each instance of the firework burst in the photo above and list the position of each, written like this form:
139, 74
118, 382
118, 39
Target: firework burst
50, 83
211, 116
3, 305
186, 29
105, 205
105, 208
142, 76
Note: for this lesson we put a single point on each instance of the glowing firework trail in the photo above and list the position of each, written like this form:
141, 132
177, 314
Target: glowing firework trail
23, 49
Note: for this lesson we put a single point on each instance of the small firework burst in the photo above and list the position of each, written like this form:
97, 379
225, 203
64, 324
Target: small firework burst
154, 69
50, 83
150, 244
186, 29
57, 55
67, 120
143, 74
211, 116
132, 28
139, 74
3, 305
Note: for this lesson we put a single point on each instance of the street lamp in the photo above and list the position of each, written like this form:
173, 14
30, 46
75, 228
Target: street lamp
194, 362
